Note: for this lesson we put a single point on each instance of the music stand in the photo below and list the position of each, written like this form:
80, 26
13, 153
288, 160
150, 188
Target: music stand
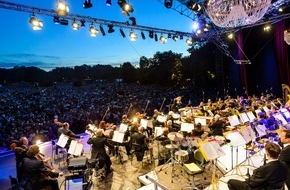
118, 139
236, 140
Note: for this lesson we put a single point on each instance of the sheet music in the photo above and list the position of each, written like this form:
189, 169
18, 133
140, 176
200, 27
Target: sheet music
266, 110
281, 118
193, 167
161, 118
187, 127
202, 121
261, 130
118, 136
211, 150
234, 120
244, 117
123, 127
62, 140
251, 116
247, 133
75, 148
150, 123
258, 111
236, 138
143, 123
158, 131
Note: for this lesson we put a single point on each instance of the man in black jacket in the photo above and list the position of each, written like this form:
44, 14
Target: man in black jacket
35, 174
285, 153
271, 176
98, 150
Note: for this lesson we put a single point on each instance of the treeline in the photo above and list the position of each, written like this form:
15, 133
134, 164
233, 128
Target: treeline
166, 68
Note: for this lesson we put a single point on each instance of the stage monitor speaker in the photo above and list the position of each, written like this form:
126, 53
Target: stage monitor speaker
74, 183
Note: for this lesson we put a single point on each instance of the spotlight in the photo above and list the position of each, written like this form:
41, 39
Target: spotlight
169, 36
87, 4
156, 37
133, 36
181, 38
93, 31
83, 23
162, 39
109, 3
168, 3
35, 23
143, 35
175, 38
62, 8
56, 20
231, 35
151, 34
126, 7
267, 28
122, 33
111, 29
133, 19
189, 42
102, 30
63, 22
75, 25
193, 6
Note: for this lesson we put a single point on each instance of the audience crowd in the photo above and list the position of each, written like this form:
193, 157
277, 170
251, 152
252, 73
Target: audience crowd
29, 110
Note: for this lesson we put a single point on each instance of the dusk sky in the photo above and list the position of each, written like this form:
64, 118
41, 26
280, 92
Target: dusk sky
61, 46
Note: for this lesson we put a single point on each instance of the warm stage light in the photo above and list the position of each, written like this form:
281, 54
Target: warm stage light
287, 36
87, 4
93, 31
162, 39
62, 8
189, 42
75, 25
35, 23
267, 28
231, 35
38, 142
133, 36
175, 38
126, 7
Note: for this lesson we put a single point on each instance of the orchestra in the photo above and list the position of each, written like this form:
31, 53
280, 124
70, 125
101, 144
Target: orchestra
179, 132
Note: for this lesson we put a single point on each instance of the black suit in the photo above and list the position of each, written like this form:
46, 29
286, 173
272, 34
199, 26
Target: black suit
139, 144
33, 171
285, 157
268, 177
99, 151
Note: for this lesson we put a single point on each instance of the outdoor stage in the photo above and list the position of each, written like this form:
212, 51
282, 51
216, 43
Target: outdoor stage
126, 176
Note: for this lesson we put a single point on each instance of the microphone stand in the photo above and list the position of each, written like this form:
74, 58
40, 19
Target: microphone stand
105, 113
162, 104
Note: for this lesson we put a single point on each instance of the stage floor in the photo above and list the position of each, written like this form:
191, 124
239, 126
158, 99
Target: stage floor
125, 175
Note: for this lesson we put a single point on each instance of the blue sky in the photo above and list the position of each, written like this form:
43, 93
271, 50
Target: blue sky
61, 46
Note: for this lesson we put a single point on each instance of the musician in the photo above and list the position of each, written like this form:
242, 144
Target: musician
177, 104
217, 126
197, 131
285, 153
99, 152
20, 153
270, 176
262, 119
125, 119
66, 131
34, 171
139, 143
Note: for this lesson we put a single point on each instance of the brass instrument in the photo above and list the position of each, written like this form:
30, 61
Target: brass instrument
214, 178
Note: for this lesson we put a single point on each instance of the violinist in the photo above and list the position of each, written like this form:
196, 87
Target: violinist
34, 171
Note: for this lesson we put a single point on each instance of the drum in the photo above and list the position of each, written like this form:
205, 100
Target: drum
181, 156
184, 143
